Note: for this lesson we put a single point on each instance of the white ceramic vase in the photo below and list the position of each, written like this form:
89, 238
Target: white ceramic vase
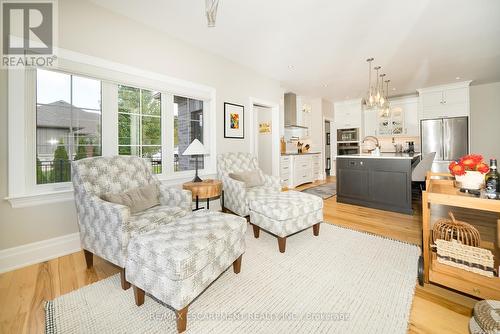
471, 180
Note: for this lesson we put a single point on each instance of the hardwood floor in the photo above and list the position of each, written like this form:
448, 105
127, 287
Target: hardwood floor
23, 291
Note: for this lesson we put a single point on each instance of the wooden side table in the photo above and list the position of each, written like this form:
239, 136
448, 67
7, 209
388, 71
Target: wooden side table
207, 189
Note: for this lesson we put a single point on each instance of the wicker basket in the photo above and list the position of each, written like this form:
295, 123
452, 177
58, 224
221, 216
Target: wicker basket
474, 259
452, 229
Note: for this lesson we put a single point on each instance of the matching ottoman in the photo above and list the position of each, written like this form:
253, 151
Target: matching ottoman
285, 213
176, 262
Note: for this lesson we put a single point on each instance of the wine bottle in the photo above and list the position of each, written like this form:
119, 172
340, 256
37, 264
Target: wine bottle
492, 182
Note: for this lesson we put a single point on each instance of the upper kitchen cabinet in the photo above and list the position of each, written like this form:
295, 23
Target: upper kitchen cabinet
444, 101
405, 116
370, 122
348, 114
402, 120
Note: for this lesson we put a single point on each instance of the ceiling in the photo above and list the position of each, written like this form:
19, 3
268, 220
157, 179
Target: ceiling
319, 47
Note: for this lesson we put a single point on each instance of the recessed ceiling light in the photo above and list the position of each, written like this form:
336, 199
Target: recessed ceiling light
458, 78
394, 88
325, 85
290, 67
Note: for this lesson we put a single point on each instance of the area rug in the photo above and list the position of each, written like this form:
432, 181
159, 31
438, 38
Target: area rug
339, 282
324, 191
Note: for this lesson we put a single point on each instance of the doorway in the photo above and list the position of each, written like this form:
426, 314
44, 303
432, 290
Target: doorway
264, 144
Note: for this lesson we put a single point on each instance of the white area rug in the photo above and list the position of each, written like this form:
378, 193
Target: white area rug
339, 282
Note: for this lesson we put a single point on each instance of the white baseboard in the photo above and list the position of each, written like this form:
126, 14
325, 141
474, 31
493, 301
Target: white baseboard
36, 252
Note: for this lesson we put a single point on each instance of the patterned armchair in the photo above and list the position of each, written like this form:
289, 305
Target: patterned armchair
236, 195
106, 228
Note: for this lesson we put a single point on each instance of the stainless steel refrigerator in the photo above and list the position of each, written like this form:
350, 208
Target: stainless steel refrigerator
448, 137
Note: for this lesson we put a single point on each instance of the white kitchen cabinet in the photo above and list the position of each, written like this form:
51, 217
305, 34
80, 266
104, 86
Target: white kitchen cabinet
371, 122
348, 114
285, 169
405, 116
402, 121
411, 123
444, 101
297, 169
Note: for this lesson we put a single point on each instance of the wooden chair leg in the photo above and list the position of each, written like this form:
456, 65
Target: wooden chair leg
181, 316
125, 284
139, 296
282, 244
316, 229
256, 231
89, 258
237, 265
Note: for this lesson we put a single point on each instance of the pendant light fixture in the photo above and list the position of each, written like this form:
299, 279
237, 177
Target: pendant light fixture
387, 104
381, 100
370, 98
211, 11
377, 96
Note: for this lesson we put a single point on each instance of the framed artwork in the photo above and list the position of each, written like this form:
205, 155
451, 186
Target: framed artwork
234, 121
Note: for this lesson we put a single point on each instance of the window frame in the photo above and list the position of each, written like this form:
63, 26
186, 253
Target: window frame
68, 184
22, 188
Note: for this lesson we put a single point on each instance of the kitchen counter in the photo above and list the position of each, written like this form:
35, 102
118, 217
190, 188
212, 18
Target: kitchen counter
380, 182
382, 156
296, 153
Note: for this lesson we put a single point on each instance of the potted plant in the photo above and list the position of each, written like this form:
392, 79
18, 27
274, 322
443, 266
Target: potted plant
469, 171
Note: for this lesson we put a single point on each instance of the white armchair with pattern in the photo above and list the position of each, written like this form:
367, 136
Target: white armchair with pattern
105, 227
236, 195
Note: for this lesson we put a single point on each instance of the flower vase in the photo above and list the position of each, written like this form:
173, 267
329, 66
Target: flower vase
472, 180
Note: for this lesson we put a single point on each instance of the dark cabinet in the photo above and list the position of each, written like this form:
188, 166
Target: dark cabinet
373, 182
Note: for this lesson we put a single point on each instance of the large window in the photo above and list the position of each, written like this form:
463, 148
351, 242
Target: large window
139, 124
68, 123
70, 115
188, 125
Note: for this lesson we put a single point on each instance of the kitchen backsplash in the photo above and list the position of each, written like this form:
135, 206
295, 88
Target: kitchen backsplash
387, 145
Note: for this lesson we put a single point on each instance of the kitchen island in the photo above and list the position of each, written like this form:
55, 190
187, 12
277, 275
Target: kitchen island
376, 181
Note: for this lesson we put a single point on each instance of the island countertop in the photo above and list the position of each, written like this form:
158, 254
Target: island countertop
382, 156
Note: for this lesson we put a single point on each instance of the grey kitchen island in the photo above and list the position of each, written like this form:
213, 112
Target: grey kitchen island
380, 182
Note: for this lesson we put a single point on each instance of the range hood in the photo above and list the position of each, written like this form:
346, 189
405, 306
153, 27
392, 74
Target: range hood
291, 112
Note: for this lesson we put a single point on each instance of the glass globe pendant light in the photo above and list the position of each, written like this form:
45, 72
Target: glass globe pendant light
370, 100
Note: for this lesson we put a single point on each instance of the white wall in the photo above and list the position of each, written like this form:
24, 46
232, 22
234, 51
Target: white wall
485, 120
89, 29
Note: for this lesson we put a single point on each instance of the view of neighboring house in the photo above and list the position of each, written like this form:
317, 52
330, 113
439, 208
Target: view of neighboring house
60, 123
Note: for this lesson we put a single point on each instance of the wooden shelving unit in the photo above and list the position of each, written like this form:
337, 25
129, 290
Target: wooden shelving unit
440, 190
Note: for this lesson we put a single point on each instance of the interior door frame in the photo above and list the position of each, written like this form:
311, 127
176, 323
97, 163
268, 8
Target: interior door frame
333, 136
275, 130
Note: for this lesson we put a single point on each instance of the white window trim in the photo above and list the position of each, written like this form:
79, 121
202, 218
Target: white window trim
22, 188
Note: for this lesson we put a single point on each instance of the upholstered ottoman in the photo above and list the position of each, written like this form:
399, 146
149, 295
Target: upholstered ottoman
285, 213
177, 261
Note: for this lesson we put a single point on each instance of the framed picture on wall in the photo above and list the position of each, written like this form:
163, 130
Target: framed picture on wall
234, 122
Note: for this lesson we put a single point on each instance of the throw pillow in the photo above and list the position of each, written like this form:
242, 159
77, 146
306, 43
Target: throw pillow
251, 178
137, 199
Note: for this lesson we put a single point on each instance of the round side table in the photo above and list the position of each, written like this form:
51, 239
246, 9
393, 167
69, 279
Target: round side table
207, 189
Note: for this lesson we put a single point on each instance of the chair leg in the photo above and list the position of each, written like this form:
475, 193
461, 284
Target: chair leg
282, 244
139, 296
89, 258
125, 284
256, 231
237, 265
181, 316
316, 229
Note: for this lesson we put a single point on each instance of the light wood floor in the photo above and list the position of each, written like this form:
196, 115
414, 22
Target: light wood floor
23, 291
